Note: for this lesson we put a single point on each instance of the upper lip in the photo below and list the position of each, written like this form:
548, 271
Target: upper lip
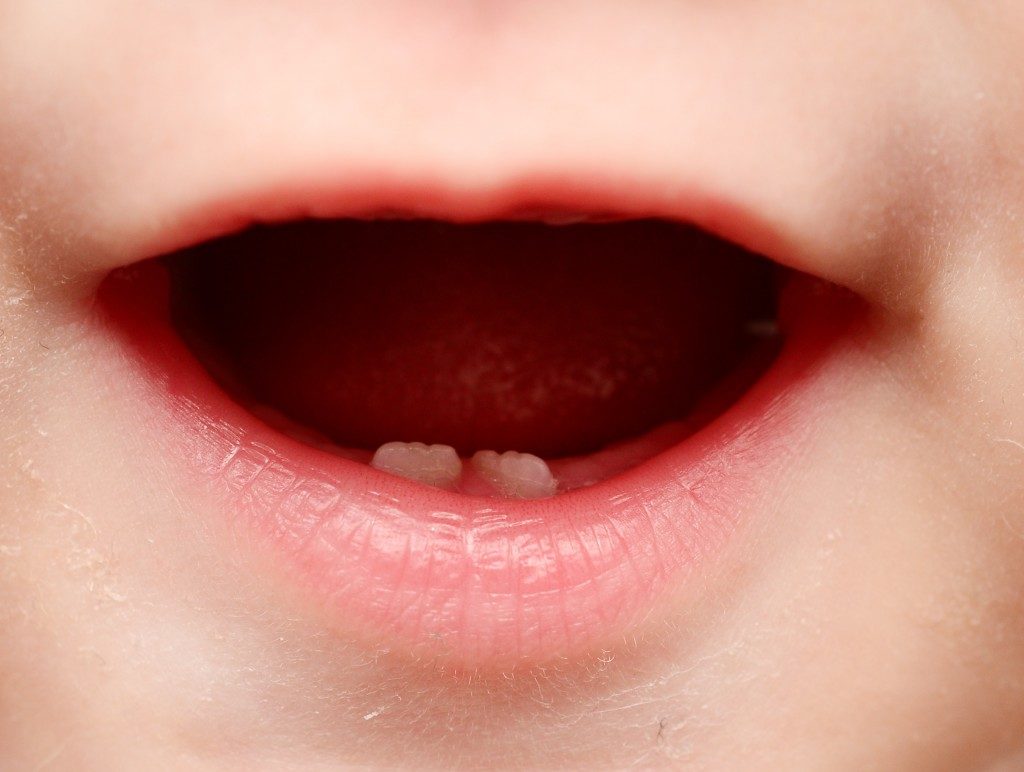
566, 196
476, 582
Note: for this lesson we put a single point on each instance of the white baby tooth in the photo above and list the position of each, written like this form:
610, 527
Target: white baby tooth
516, 475
437, 465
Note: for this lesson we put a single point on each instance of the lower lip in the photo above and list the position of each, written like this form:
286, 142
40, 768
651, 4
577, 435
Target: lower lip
477, 582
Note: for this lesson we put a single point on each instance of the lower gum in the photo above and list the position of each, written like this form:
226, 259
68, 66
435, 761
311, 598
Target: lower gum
570, 473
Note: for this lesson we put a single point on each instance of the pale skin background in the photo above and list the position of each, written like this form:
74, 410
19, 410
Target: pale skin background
877, 620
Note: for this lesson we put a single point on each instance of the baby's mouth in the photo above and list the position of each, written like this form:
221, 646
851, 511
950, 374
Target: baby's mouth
493, 440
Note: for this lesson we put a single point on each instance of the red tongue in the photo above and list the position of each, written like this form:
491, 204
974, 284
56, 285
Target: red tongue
552, 340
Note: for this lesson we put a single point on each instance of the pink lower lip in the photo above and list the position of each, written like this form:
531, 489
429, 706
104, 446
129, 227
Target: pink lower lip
474, 581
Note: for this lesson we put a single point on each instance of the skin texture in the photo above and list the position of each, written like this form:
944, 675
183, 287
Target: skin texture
872, 617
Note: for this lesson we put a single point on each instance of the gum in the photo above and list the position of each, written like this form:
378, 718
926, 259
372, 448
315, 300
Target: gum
568, 474
516, 475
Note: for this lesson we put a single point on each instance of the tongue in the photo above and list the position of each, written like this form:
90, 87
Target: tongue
506, 336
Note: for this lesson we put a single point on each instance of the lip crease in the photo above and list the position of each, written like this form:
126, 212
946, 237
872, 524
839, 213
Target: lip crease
477, 582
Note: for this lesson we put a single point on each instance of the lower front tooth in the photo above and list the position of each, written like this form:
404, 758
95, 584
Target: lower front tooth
516, 475
437, 465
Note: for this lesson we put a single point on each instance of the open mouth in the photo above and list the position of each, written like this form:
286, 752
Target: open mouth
480, 357
493, 440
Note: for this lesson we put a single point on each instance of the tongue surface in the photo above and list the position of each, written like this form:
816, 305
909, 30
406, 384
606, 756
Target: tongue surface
505, 336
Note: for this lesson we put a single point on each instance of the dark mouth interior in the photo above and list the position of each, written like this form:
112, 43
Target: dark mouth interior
552, 340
